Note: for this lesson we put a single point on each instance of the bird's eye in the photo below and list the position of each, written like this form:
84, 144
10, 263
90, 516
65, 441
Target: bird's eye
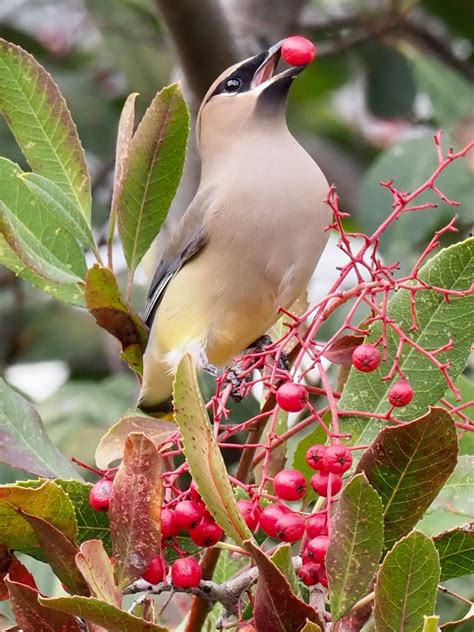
232, 85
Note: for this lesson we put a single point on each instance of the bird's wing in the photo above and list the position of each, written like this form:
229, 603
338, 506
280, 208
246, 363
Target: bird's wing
189, 238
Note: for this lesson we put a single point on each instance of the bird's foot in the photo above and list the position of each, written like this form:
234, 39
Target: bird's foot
265, 341
232, 376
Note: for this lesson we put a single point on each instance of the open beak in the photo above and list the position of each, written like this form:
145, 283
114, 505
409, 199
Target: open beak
265, 76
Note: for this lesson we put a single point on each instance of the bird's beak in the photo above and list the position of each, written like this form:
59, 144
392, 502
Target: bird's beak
265, 76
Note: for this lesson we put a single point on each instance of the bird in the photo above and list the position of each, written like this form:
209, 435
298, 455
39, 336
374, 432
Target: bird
251, 237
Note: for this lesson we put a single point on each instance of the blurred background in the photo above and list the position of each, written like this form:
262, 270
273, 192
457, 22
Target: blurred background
389, 73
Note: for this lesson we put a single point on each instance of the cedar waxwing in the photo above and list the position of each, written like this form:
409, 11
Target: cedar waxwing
250, 239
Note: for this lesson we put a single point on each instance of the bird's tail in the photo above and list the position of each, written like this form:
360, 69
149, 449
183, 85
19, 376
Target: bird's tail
164, 410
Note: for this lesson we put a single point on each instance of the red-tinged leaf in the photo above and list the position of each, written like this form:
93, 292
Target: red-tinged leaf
96, 568
276, 608
101, 613
11, 566
31, 616
408, 465
59, 551
112, 444
122, 149
135, 509
104, 301
341, 350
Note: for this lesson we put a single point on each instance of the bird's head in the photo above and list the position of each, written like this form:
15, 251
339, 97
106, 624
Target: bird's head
248, 95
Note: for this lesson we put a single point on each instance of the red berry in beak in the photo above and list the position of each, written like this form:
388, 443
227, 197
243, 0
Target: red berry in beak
298, 51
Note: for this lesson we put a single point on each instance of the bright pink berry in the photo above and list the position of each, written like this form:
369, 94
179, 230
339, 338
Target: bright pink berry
292, 397
250, 512
308, 573
322, 576
99, 497
314, 456
156, 571
193, 492
316, 548
270, 516
400, 393
298, 50
187, 514
320, 483
366, 358
206, 514
337, 459
316, 524
169, 526
290, 527
289, 485
206, 533
186, 573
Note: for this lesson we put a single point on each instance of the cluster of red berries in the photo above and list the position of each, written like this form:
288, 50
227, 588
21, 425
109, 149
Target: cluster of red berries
367, 358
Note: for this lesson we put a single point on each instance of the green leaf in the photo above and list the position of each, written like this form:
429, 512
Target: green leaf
276, 607
456, 551
153, 171
96, 568
135, 509
105, 303
47, 501
60, 205
450, 94
283, 561
411, 162
38, 116
408, 465
203, 455
452, 268
24, 443
59, 551
104, 614
355, 546
466, 388
31, 616
430, 624
406, 585
112, 444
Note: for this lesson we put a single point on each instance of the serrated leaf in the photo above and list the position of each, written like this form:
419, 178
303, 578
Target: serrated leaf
135, 509
452, 268
47, 501
111, 445
406, 585
31, 616
203, 455
152, 174
276, 607
456, 551
59, 551
104, 614
355, 545
96, 568
408, 465
38, 116
24, 443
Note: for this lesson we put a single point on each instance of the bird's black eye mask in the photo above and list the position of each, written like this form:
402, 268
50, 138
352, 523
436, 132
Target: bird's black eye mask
241, 79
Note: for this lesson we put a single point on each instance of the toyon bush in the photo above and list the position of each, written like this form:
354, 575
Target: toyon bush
344, 460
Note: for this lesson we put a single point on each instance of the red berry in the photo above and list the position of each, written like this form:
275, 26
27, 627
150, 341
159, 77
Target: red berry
206, 533
337, 459
99, 497
169, 526
316, 524
316, 548
187, 514
309, 573
270, 516
186, 573
320, 483
289, 485
250, 512
193, 492
206, 514
400, 393
292, 397
314, 456
322, 576
366, 358
297, 50
156, 571
290, 527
